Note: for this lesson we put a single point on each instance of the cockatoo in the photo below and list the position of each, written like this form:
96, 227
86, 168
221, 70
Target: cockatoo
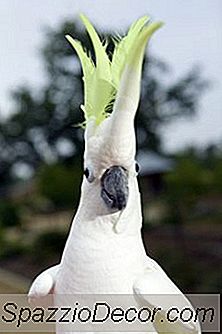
104, 253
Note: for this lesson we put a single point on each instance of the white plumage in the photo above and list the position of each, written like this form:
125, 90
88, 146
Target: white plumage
104, 253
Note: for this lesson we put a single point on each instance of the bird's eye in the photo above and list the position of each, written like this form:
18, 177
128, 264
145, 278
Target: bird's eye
137, 167
89, 175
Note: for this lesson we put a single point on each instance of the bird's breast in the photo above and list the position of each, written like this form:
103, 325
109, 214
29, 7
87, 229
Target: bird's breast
105, 266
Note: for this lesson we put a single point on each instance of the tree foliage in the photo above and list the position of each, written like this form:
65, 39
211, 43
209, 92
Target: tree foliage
60, 184
9, 215
196, 178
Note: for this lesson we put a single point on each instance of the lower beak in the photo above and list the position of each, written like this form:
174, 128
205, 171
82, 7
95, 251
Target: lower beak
114, 187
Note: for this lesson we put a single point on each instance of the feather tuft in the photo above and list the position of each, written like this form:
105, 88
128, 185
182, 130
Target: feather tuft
102, 80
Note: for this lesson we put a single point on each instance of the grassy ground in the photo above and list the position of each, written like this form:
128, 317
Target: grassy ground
12, 283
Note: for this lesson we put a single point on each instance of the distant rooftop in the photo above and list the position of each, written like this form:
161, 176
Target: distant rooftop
153, 163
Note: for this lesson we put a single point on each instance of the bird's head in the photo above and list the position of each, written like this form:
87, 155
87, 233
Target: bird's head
109, 160
111, 97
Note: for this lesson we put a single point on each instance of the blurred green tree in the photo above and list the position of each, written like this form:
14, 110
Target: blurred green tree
197, 175
57, 183
217, 172
40, 129
48, 245
9, 214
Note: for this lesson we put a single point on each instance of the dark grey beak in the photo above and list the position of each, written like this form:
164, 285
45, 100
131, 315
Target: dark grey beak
114, 184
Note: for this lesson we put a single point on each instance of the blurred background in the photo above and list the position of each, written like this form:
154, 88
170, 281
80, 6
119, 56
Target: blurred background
178, 132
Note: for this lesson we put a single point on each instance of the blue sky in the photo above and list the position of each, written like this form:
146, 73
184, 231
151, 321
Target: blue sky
192, 35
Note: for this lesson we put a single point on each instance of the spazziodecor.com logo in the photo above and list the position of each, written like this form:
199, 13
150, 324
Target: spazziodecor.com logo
113, 313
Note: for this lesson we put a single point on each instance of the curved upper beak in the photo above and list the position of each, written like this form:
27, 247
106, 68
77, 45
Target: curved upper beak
114, 187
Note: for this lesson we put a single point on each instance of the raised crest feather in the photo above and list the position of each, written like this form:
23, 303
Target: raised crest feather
102, 79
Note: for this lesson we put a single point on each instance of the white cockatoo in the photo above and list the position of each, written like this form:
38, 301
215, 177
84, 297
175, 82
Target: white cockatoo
104, 253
